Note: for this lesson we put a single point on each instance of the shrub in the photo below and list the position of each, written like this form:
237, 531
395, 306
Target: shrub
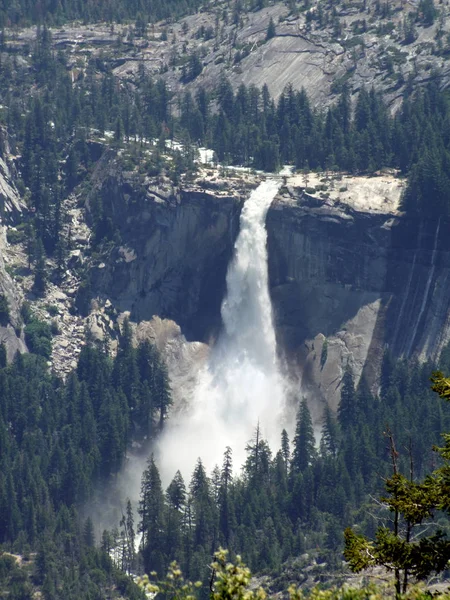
52, 309
324, 353
55, 327
38, 336
26, 313
4, 310
15, 236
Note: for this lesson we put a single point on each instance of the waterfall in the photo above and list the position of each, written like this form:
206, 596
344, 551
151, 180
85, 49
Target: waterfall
427, 289
241, 383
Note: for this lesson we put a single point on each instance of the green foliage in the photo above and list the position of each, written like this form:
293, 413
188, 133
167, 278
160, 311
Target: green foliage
192, 68
40, 271
292, 502
411, 503
16, 235
348, 403
63, 437
38, 337
248, 128
427, 11
4, 310
232, 580
324, 353
20, 13
271, 31
26, 312
304, 451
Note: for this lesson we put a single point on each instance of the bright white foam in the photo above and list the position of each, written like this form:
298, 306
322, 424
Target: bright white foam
241, 384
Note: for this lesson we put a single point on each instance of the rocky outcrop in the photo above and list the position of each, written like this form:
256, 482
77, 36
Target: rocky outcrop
349, 273
320, 49
11, 204
174, 251
363, 281
183, 359
10, 334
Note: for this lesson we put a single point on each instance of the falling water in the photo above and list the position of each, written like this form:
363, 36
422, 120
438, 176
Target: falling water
241, 384
427, 288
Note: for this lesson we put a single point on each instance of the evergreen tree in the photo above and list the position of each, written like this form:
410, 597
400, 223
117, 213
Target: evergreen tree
347, 406
4, 310
176, 492
304, 449
329, 443
428, 11
152, 525
40, 270
258, 457
271, 31
225, 502
285, 450
88, 533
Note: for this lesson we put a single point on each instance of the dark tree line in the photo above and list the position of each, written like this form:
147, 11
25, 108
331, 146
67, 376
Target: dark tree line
59, 439
301, 498
26, 12
357, 135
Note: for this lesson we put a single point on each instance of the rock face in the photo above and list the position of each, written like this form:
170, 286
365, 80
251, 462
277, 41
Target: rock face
11, 204
176, 245
362, 281
345, 276
183, 359
10, 334
352, 43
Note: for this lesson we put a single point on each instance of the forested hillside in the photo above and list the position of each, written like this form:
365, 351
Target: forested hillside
300, 499
63, 439
50, 129
247, 129
24, 12
58, 440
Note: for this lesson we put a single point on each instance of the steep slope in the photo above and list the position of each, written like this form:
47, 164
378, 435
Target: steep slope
392, 46
12, 208
345, 266
359, 281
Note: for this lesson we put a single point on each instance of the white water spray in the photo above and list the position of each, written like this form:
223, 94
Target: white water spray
241, 384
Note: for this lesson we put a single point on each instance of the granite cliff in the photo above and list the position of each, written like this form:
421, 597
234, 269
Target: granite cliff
358, 281
347, 268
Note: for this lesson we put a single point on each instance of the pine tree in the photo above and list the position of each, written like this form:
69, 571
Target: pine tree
304, 451
411, 503
347, 405
152, 525
3, 357
202, 508
428, 10
130, 536
4, 310
40, 270
176, 492
285, 450
224, 495
329, 442
88, 533
271, 31
258, 457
